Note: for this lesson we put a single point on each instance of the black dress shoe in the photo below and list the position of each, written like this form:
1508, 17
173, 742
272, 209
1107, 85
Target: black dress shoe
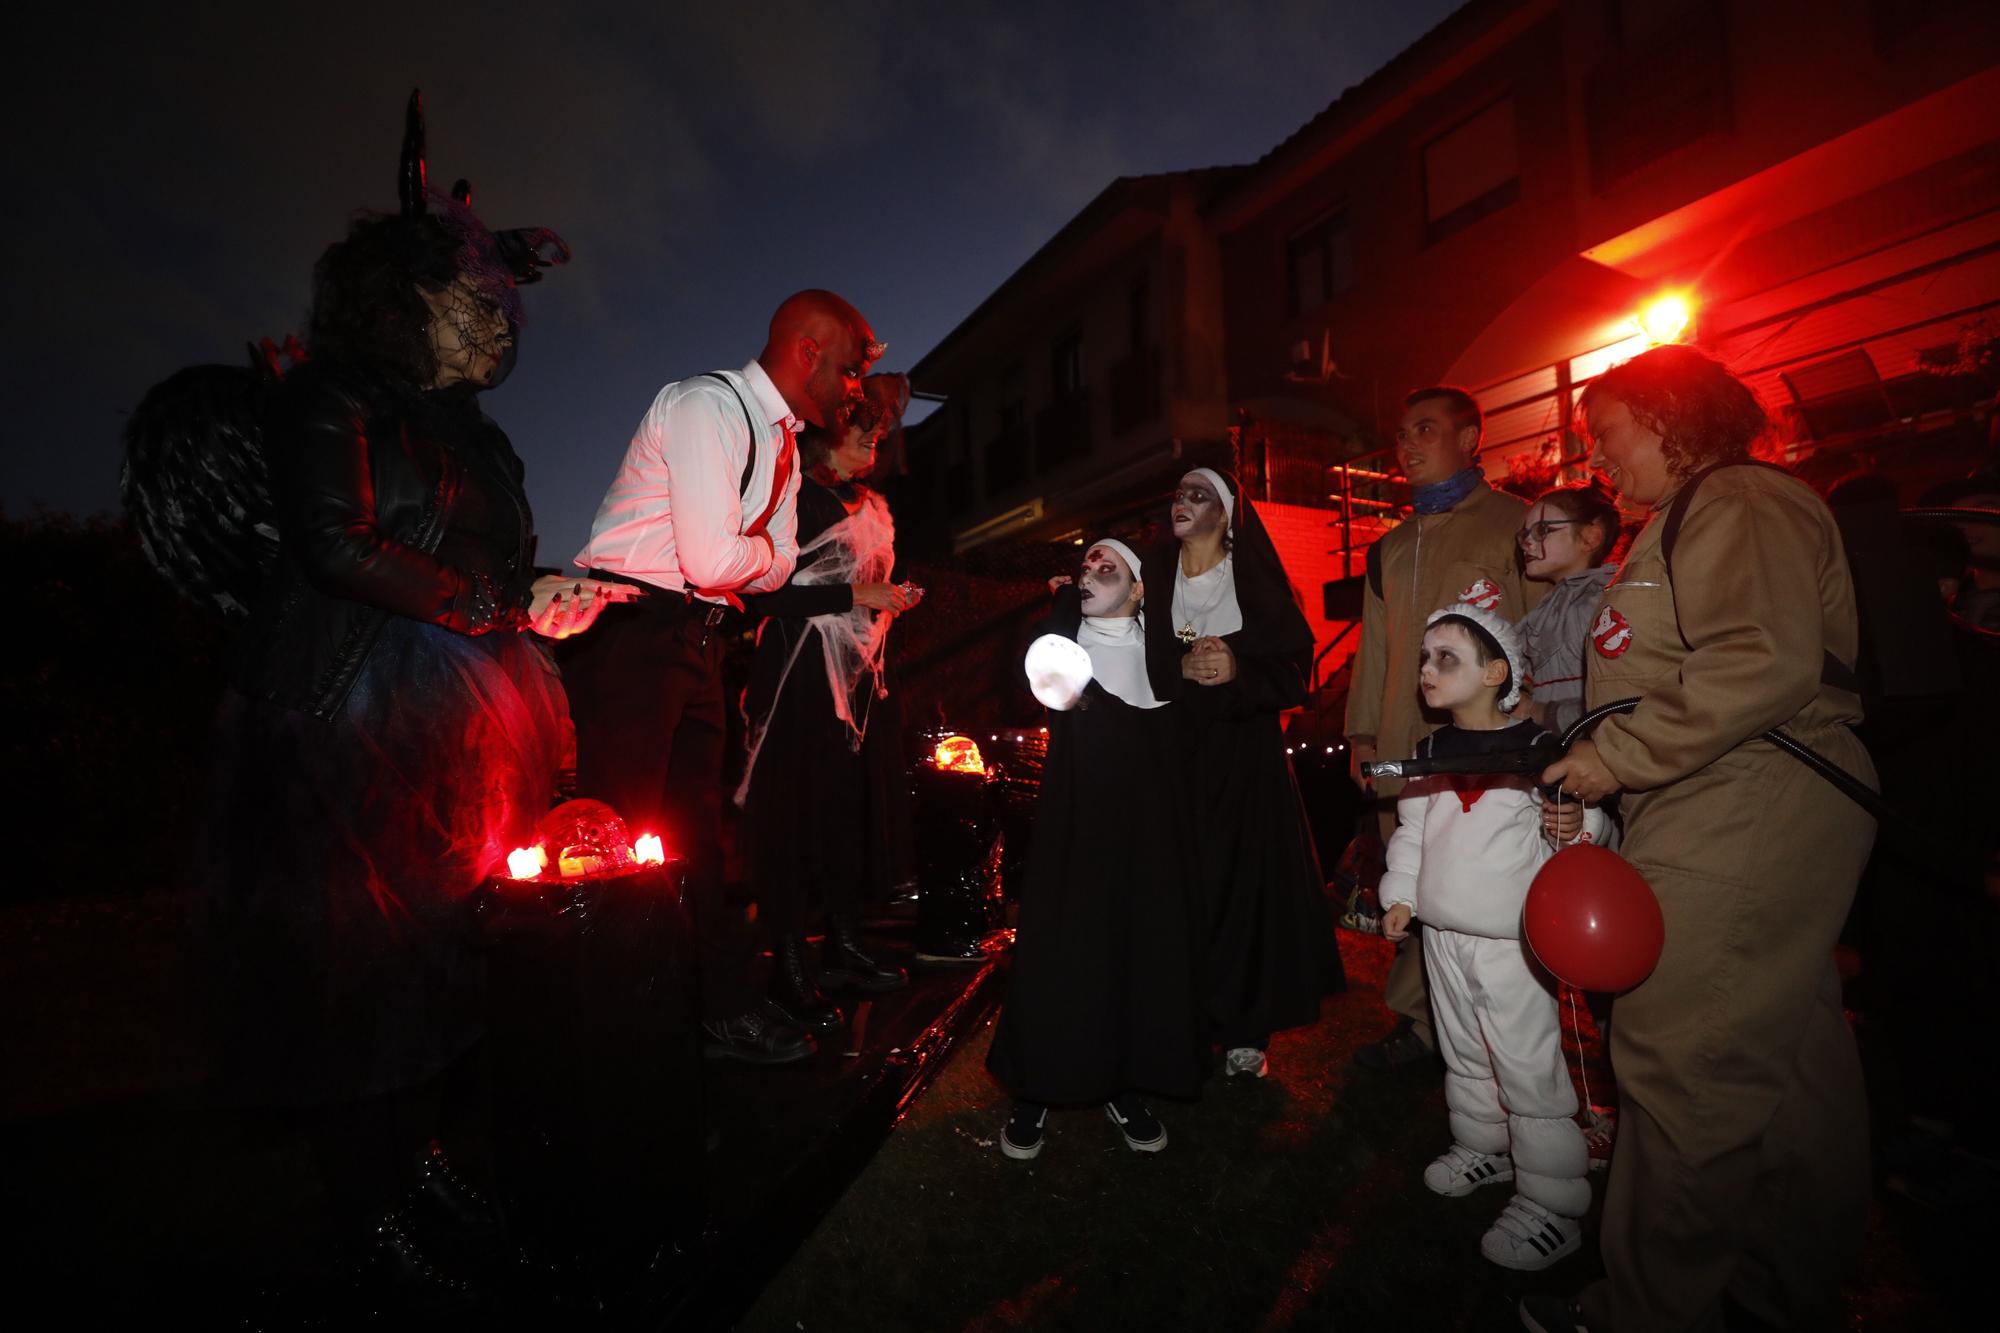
844, 963
760, 1036
794, 990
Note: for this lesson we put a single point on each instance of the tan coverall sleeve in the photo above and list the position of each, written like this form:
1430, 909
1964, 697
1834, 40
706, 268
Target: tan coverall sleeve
1746, 585
1364, 692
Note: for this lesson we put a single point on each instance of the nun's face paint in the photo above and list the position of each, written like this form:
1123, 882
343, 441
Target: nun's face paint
1106, 585
1197, 508
1449, 673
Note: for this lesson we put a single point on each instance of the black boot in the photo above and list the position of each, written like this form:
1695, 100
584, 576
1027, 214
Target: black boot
843, 962
794, 990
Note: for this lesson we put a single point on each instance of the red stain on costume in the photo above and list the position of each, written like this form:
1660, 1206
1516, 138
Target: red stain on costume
1610, 633
1483, 594
1470, 787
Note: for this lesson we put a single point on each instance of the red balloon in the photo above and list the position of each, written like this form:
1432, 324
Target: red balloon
1593, 921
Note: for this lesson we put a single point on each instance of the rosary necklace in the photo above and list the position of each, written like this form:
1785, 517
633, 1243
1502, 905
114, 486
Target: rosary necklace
1187, 632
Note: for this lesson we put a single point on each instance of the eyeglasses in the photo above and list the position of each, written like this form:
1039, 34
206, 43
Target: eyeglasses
1538, 532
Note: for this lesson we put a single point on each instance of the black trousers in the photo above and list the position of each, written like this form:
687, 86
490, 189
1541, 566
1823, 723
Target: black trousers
645, 692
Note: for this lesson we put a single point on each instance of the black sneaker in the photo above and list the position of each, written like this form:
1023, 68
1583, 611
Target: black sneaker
1401, 1049
761, 1036
1551, 1314
1022, 1137
1142, 1129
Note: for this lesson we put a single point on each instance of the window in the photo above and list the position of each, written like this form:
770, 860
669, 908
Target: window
1319, 264
1667, 87
1471, 170
1008, 453
1066, 363
1013, 399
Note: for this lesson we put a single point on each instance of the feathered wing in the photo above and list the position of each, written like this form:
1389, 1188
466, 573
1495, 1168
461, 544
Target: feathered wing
196, 486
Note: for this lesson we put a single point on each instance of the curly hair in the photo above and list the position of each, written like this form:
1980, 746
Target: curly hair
1703, 414
366, 310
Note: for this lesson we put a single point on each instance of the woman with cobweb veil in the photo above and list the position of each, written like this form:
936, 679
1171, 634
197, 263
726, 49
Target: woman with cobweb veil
394, 724
824, 809
1230, 645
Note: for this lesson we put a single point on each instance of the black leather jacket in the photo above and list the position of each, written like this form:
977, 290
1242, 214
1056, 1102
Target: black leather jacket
388, 503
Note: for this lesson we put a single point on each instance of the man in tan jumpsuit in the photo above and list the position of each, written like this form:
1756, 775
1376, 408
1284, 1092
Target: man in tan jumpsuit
1461, 552
1740, 1174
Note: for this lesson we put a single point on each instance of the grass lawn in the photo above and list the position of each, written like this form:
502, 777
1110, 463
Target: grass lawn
1294, 1202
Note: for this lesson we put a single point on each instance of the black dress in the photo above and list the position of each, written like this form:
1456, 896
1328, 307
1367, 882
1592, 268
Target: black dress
1104, 997
822, 819
1268, 930
343, 848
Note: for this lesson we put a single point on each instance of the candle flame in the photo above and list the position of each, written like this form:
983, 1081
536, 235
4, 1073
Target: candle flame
649, 850
526, 862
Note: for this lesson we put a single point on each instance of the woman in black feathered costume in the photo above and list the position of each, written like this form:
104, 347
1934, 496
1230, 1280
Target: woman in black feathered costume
393, 729
1232, 648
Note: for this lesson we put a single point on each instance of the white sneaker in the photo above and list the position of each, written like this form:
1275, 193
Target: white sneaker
1527, 1236
1245, 1060
1460, 1171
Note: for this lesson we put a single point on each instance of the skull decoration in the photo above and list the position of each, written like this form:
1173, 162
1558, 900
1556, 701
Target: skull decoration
585, 837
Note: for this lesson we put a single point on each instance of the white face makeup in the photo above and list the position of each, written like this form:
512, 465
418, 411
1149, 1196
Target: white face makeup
1553, 545
1197, 509
1106, 585
1449, 672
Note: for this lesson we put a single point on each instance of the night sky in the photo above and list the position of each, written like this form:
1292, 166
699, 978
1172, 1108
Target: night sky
175, 177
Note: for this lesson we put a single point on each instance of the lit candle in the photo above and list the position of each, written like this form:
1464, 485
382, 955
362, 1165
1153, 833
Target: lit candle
526, 862
649, 850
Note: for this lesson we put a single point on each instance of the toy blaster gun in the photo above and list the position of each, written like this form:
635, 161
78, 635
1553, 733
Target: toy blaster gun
1530, 762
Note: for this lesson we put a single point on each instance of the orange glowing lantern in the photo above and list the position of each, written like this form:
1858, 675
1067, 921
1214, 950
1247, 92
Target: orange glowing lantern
649, 850
1666, 319
958, 754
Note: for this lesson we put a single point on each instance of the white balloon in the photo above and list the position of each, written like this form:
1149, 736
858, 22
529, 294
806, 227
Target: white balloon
1058, 669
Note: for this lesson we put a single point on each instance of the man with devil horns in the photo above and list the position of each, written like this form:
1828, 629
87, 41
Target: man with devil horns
704, 509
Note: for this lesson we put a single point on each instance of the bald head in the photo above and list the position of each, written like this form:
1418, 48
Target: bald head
817, 352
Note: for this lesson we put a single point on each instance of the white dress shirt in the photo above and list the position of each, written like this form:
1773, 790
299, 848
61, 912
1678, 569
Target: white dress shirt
673, 517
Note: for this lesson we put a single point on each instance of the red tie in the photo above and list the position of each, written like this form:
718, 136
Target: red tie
781, 476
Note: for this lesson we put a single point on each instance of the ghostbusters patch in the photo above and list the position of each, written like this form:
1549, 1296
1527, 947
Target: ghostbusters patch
1610, 633
1483, 594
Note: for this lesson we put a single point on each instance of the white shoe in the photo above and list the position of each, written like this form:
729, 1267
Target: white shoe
1245, 1060
1461, 1171
1527, 1236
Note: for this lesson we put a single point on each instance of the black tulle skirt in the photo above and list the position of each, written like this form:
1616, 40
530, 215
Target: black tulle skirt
342, 857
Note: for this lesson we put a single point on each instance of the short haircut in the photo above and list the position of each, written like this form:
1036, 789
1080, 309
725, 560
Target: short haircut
1463, 407
1485, 648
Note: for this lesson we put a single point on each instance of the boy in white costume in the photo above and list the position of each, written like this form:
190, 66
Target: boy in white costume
1461, 860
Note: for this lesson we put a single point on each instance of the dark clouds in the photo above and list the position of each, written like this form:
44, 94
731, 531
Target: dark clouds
177, 173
